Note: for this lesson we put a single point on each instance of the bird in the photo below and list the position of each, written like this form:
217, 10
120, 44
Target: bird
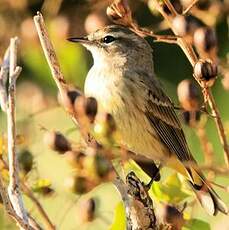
123, 81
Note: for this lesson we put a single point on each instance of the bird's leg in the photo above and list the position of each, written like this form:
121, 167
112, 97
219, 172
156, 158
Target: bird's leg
155, 177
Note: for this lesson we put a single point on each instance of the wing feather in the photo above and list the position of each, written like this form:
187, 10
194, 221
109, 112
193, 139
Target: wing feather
161, 114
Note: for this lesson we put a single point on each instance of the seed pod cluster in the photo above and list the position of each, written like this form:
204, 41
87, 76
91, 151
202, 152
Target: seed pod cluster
91, 167
57, 142
206, 72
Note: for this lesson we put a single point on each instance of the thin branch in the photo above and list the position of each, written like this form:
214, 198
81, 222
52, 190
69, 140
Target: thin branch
13, 188
192, 57
56, 72
171, 8
38, 205
11, 212
3, 80
220, 128
36, 202
193, 3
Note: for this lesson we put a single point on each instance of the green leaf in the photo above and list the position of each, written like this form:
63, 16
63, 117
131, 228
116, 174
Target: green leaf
196, 224
119, 222
170, 191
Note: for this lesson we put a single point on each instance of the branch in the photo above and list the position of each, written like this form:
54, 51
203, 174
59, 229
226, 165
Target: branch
3, 80
192, 57
139, 207
193, 3
38, 205
13, 188
36, 202
57, 73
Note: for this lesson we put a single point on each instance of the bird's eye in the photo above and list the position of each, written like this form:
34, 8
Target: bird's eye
108, 39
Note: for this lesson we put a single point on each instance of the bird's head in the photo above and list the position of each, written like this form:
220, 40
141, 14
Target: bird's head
116, 43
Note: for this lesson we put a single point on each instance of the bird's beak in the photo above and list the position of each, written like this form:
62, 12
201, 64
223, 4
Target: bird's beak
82, 40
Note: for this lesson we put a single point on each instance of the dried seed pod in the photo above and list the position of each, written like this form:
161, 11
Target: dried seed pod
206, 72
43, 187
79, 184
25, 160
186, 25
203, 4
225, 81
91, 108
88, 210
120, 13
171, 215
76, 158
188, 95
57, 142
95, 21
68, 98
86, 106
205, 39
191, 117
105, 127
102, 165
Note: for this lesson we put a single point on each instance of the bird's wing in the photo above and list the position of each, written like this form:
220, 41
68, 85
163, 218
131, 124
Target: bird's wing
161, 114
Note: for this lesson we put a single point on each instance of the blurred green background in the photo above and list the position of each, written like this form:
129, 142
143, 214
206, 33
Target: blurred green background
37, 105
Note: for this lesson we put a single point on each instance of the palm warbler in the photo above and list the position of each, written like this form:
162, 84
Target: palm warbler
122, 80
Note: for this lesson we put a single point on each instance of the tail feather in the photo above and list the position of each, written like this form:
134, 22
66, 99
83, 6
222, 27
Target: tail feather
207, 197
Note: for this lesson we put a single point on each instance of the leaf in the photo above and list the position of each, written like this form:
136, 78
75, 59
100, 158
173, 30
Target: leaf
119, 222
196, 224
43, 186
171, 191
3, 144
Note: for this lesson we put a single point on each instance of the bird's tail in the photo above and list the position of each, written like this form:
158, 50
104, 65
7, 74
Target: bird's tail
207, 197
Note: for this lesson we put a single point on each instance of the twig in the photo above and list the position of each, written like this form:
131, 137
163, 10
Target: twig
171, 8
13, 188
205, 143
220, 128
3, 80
36, 202
189, 52
38, 205
56, 71
189, 7
11, 212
